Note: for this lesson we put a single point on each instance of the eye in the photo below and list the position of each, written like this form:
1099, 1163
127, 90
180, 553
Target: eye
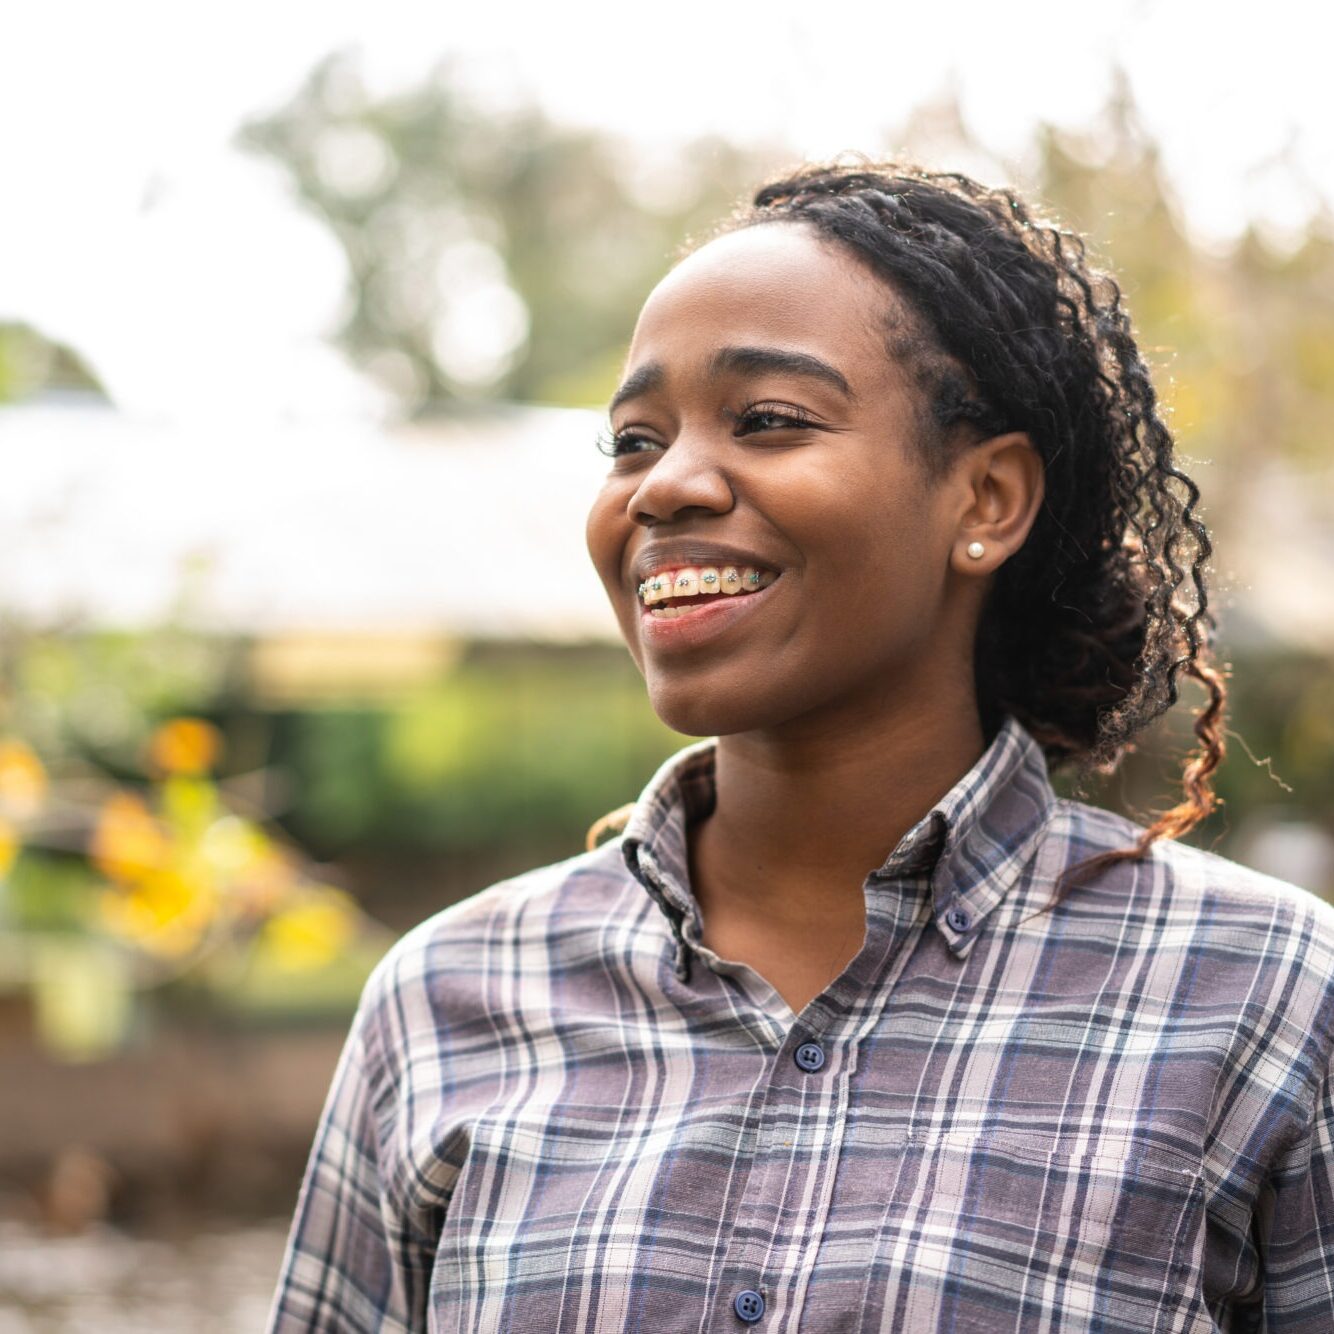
780, 417
788, 417
616, 445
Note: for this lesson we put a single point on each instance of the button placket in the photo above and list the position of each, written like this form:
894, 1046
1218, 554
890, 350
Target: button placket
897, 922
790, 1104
778, 1133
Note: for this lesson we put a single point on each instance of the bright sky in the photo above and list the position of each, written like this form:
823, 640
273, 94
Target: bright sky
186, 276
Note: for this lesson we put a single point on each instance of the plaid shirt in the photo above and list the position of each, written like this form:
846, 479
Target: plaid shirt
557, 1110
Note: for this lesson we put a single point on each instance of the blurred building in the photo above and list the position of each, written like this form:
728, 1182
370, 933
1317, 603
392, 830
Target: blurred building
344, 552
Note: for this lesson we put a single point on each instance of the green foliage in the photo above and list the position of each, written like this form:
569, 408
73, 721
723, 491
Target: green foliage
1283, 707
101, 691
48, 893
530, 748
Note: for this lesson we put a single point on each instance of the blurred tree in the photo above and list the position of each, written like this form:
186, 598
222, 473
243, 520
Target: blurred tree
1240, 337
494, 255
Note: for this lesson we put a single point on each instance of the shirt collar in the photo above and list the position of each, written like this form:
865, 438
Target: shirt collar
973, 843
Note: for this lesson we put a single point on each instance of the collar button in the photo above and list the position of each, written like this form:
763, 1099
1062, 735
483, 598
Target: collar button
958, 919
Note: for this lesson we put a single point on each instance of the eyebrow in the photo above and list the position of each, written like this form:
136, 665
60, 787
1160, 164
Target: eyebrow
750, 362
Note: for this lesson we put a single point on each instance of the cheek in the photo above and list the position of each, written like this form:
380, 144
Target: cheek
885, 540
880, 586
605, 532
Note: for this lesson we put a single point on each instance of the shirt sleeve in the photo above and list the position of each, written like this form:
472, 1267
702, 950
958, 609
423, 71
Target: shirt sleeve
353, 1262
1297, 1229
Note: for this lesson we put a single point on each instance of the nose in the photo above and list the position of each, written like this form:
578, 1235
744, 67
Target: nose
685, 477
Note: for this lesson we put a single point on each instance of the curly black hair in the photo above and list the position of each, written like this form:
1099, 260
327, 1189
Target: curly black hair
1005, 325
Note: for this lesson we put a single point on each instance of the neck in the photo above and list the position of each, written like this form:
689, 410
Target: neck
803, 816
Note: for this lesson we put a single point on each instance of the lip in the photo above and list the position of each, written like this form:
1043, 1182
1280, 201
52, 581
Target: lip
711, 619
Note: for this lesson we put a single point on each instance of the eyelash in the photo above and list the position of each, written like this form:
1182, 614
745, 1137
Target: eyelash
613, 445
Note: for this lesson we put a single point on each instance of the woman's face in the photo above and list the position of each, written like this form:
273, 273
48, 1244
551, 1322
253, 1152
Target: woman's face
715, 474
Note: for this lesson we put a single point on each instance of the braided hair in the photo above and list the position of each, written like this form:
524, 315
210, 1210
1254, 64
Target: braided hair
1004, 325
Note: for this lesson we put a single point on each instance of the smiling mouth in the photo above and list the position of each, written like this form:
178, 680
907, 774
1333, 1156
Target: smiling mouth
674, 593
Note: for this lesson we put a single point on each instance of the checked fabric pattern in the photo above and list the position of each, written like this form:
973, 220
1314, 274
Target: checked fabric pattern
557, 1110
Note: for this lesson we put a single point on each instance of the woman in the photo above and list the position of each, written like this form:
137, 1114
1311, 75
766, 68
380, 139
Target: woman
856, 1026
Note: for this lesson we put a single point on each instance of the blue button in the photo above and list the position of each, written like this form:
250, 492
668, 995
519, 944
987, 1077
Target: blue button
958, 919
749, 1305
809, 1056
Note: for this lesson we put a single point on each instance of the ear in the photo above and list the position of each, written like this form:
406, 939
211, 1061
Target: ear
999, 485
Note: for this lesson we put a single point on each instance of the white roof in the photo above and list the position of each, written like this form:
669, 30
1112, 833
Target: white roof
467, 528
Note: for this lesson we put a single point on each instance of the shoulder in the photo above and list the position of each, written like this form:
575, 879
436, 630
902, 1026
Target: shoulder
515, 923
1191, 875
1187, 898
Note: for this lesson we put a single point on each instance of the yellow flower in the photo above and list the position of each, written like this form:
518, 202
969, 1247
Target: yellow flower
313, 932
23, 781
185, 746
187, 807
9, 847
127, 843
165, 913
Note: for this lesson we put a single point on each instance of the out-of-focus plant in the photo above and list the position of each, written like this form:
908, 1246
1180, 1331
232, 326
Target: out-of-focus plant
516, 752
23, 786
166, 883
31, 363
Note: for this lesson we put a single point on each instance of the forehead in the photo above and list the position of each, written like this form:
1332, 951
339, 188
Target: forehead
772, 284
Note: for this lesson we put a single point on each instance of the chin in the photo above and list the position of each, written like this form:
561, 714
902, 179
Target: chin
699, 712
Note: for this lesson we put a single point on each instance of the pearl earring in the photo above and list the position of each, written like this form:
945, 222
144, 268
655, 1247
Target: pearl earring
976, 550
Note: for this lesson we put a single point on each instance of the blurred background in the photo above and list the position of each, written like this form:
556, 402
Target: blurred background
308, 319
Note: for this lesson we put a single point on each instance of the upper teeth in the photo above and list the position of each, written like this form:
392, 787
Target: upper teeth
693, 581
